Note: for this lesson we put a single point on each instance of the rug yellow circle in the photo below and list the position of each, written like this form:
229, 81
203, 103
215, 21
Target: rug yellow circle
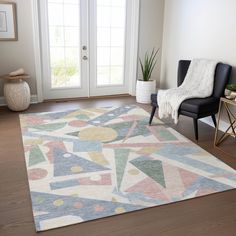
58, 202
114, 200
76, 169
120, 210
98, 134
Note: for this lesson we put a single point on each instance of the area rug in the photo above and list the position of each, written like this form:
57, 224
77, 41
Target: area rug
93, 163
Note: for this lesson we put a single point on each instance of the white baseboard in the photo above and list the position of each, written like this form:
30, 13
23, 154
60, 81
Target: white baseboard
223, 125
33, 100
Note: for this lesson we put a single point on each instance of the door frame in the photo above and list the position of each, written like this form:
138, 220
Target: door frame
132, 51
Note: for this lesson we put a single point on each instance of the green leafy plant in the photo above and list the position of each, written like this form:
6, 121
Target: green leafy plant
148, 64
231, 87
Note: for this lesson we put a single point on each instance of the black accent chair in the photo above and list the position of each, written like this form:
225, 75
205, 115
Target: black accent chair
198, 108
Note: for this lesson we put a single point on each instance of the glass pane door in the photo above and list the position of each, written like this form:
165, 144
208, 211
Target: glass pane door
64, 35
64, 32
108, 24
84, 47
110, 42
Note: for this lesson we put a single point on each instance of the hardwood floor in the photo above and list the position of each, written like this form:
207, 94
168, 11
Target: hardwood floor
210, 215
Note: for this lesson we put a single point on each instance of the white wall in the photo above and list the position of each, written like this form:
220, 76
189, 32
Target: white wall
14, 55
197, 29
20, 54
151, 31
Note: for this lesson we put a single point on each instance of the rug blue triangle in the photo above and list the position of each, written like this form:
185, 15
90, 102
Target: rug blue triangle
152, 168
58, 115
123, 129
113, 114
70, 164
202, 183
89, 209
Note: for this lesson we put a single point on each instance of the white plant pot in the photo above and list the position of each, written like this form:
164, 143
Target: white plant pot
144, 89
227, 92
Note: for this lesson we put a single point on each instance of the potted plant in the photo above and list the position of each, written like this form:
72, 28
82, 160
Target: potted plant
230, 91
146, 86
231, 87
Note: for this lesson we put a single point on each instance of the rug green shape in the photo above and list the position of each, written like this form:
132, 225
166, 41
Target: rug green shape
152, 168
50, 127
123, 129
166, 135
83, 117
36, 156
74, 134
121, 158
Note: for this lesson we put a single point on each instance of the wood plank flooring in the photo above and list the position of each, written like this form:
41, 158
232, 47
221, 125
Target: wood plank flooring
210, 215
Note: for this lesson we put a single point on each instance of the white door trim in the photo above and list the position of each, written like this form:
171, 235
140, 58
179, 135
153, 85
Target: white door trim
134, 46
37, 49
133, 50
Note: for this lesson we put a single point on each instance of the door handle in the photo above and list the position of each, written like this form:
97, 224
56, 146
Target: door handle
85, 58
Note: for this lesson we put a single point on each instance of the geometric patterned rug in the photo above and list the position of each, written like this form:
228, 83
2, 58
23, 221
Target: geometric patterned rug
93, 163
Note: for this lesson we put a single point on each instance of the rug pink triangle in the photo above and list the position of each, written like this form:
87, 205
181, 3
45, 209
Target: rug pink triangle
150, 188
187, 177
34, 120
28, 148
173, 180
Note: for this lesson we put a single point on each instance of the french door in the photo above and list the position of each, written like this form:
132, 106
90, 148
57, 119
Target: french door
84, 47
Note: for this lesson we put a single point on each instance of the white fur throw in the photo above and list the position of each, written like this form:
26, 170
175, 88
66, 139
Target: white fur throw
198, 83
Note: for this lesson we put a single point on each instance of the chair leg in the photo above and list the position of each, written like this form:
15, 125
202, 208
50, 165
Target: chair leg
214, 120
152, 114
195, 123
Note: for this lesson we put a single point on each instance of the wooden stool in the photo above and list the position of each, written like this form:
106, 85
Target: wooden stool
16, 92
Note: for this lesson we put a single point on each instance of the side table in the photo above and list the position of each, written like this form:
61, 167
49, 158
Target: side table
16, 92
231, 130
